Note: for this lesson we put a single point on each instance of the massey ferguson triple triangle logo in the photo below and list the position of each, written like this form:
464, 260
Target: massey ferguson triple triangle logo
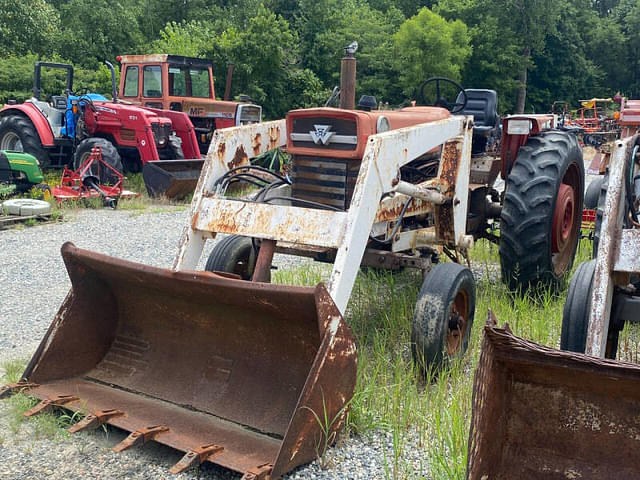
322, 134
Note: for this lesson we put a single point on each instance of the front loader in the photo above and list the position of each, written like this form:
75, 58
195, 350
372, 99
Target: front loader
543, 413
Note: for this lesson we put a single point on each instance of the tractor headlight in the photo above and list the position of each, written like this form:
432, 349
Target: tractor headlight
161, 133
518, 127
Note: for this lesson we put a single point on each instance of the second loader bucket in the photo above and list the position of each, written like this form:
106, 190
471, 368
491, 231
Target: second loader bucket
228, 371
541, 413
171, 178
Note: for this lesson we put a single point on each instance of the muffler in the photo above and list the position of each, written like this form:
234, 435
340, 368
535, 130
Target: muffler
228, 371
541, 413
171, 178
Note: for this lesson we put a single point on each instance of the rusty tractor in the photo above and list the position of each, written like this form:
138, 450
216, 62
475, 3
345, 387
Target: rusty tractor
539, 412
386, 189
603, 292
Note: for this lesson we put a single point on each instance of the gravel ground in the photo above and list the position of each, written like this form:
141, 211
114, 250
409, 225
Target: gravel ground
34, 284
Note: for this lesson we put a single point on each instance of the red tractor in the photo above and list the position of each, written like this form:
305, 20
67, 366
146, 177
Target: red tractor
64, 130
183, 84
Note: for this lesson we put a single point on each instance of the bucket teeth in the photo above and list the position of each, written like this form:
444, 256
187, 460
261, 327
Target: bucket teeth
17, 387
140, 437
50, 403
261, 472
94, 420
195, 457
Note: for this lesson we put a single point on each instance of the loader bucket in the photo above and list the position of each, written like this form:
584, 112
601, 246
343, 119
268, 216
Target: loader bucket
171, 178
228, 371
540, 413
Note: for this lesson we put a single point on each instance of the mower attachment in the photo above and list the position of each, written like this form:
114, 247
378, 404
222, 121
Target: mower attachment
228, 371
541, 413
171, 178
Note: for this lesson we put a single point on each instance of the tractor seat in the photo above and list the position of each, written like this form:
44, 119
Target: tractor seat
483, 105
59, 102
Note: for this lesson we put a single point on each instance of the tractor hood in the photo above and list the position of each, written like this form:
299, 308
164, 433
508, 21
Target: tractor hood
344, 133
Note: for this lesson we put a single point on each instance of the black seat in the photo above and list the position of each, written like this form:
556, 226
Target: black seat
483, 105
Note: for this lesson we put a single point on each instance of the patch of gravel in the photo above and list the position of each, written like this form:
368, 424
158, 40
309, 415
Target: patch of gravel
34, 283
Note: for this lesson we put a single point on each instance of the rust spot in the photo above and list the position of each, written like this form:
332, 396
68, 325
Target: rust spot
257, 144
194, 220
449, 166
274, 137
221, 149
240, 158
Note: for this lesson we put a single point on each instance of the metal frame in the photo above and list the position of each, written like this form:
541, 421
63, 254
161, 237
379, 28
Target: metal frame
618, 250
347, 232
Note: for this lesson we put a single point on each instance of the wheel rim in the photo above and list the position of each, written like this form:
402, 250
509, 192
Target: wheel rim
566, 221
245, 264
458, 323
11, 141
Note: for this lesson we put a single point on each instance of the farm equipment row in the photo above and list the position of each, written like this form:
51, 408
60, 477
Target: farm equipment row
234, 370
64, 131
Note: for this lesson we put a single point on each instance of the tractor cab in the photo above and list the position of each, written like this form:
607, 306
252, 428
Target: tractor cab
183, 84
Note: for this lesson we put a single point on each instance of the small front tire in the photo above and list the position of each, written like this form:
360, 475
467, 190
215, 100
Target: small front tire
443, 316
233, 254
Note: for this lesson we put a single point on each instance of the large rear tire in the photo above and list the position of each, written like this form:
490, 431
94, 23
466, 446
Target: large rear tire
542, 211
233, 254
109, 154
18, 134
443, 316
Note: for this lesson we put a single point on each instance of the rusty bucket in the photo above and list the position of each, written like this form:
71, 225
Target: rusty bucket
540, 413
171, 178
228, 371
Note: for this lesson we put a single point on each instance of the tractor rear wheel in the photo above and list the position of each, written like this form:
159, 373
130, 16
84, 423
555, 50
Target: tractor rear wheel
233, 254
542, 211
110, 155
18, 134
443, 316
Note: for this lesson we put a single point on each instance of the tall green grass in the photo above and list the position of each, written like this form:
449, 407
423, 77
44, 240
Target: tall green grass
432, 412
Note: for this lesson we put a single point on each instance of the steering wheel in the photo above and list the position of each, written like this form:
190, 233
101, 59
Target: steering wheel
440, 100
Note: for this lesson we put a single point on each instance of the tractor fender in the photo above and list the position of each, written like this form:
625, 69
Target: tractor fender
39, 121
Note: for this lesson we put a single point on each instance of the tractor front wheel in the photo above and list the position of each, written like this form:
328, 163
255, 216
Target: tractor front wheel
542, 211
233, 254
575, 317
110, 156
443, 316
18, 134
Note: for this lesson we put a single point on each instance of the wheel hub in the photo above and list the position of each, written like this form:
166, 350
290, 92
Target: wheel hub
563, 218
11, 141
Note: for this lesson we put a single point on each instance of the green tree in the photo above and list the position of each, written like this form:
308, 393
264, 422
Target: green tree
428, 45
98, 30
27, 26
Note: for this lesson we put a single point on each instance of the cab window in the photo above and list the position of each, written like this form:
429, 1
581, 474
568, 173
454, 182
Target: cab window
189, 81
131, 82
152, 81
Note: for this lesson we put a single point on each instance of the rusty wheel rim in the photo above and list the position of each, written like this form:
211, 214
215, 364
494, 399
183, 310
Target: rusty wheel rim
458, 323
566, 222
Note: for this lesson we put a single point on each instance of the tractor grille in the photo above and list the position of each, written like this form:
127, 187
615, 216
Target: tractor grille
343, 134
329, 181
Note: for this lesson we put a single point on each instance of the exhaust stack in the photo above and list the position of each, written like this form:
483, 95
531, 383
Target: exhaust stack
348, 77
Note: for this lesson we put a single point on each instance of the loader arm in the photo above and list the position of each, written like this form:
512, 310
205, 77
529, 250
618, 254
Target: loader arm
347, 232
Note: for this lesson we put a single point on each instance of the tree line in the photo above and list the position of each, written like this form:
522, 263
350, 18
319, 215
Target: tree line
287, 52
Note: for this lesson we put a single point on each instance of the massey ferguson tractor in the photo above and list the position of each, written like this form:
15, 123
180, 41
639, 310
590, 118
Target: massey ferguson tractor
231, 369
64, 131
184, 84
